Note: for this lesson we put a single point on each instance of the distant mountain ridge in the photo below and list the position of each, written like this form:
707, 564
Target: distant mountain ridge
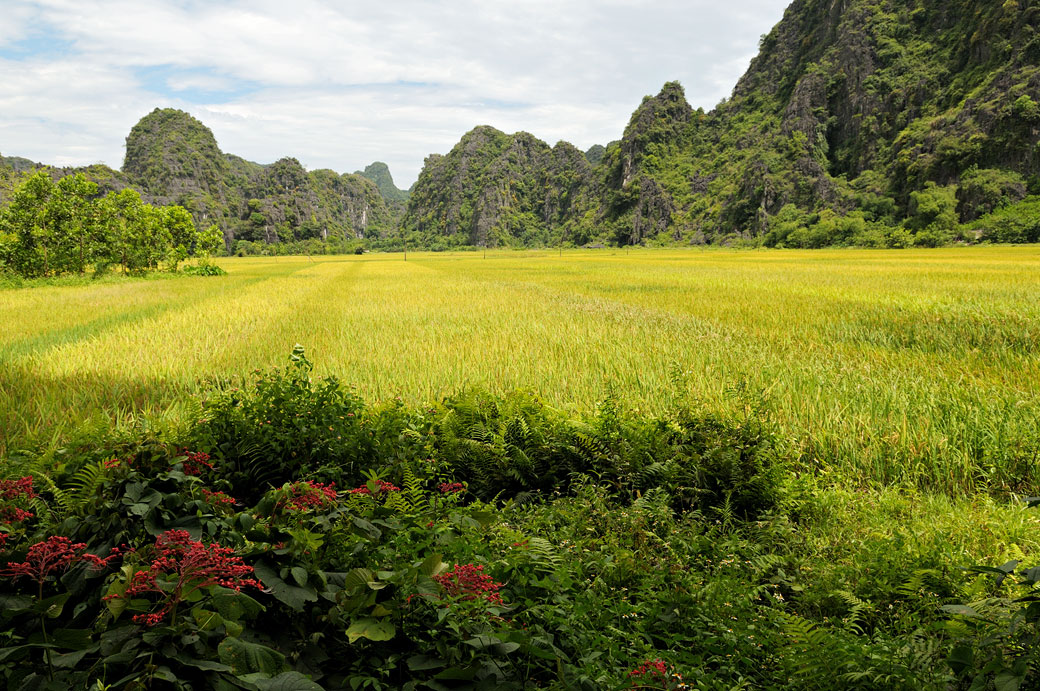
175, 159
907, 114
379, 173
876, 122
172, 158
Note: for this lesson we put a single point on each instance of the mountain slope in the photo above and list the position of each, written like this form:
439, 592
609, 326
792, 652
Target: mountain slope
174, 159
851, 105
860, 121
496, 189
379, 173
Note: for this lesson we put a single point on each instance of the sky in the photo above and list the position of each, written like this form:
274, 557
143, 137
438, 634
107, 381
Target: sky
341, 84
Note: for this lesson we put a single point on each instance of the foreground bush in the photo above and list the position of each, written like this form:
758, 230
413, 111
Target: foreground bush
294, 539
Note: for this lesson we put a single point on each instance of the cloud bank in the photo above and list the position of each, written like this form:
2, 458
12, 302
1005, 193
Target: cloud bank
341, 84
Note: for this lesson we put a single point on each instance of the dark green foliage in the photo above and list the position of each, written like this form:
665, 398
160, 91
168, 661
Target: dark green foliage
290, 426
395, 198
610, 545
595, 154
286, 426
1016, 223
997, 636
205, 269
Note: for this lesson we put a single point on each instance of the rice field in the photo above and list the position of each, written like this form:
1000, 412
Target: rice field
916, 367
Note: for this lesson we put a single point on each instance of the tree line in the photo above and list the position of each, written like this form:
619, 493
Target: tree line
53, 228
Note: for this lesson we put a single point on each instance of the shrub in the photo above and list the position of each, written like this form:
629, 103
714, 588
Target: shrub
285, 427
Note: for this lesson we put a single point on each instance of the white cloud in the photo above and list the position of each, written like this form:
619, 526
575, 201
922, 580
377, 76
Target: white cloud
339, 84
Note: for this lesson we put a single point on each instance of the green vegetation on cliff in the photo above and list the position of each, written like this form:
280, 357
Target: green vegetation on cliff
175, 158
495, 189
864, 122
873, 112
379, 173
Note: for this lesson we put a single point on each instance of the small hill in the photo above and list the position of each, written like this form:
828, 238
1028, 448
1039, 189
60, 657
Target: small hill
379, 173
497, 189
174, 159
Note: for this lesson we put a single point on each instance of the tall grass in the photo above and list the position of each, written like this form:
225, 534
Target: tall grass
914, 367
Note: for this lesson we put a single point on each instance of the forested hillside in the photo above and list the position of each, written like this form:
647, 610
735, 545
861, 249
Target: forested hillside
871, 122
379, 173
174, 158
499, 189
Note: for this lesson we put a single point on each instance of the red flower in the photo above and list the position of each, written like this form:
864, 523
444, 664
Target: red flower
194, 463
381, 486
185, 566
52, 556
303, 496
14, 491
217, 498
451, 487
651, 669
469, 582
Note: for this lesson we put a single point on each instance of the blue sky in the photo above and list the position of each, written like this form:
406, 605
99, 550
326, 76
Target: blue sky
341, 84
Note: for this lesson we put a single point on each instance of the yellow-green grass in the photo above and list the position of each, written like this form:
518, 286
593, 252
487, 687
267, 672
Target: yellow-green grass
919, 367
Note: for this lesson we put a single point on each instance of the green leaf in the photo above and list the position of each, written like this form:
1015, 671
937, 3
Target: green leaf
207, 665
246, 658
484, 518
417, 663
299, 575
481, 642
372, 629
963, 610
962, 658
1007, 681
432, 566
287, 681
73, 639
51, 607
293, 596
70, 660
368, 529
233, 604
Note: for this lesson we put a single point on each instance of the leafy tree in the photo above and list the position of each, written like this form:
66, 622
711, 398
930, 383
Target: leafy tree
25, 218
70, 216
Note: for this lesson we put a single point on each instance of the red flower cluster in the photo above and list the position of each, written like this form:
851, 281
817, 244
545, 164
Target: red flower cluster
195, 462
22, 487
469, 582
15, 490
217, 498
381, 486
303, 496
113, 463
651, 669
54, 555
185, 565
451, 487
